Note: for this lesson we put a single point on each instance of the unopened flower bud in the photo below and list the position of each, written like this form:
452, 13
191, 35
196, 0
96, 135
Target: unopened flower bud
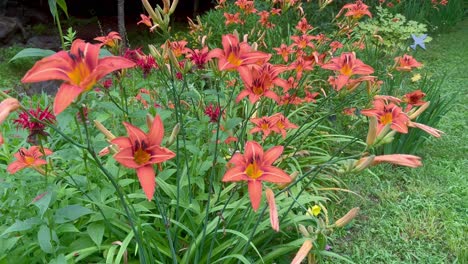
173, 137
421, 109
372, 134
303, 230
363, 163
347, 217
104, 130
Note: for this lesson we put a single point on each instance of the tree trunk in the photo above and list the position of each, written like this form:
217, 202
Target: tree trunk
121, 22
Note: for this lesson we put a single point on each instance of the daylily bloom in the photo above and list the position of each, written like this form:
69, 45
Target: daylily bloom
302, 41
147, 21
356, 10
255, 166
259, 81
140, 151
247, 6
26, 158
414, 98
236, 54
303, 26
6, 107
284, 51
335, 45
263, 124
110, 40
273, 210
264, 15
430, 130
300, 65
347, 65
406, 63
399, 159
282, 123
177, 47
388, 114
80, 68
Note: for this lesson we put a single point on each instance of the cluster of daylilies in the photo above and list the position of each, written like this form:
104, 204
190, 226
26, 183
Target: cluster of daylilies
81, 70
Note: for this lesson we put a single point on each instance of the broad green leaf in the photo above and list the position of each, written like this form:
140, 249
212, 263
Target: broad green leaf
96, 232
53, 8
104, 53
32, 52
63, 6
22, 225
45, 236
59, 260
43, 203
70, 213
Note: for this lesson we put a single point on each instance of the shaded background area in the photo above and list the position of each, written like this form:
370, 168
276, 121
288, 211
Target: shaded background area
30, 23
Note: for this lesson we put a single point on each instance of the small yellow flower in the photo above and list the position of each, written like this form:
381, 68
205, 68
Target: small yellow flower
314, 211
416, 77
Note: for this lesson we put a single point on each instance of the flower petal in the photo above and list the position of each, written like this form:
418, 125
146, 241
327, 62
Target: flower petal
272, 154
253, 150
65, 96
54, 67
255, 193
109, 64
135, 134
156, 132
126, 158
235, 174
273, 210
122, 142
303, 251
275, 175
159, 154
15, 166
147, 178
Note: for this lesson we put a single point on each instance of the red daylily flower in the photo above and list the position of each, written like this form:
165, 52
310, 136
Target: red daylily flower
388, 114
406, 63
335, 45
110, 40
284, 51
264, 15
26, 158
302, 41
236, 54
282, 123
356, 10
254, 167
147, 21
259, 81
177, 47
303, 26
247, 6
262, 124
140, 151
80, 68
414, 98
347, 65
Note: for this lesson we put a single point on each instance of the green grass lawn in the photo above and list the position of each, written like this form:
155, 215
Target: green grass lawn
420, 215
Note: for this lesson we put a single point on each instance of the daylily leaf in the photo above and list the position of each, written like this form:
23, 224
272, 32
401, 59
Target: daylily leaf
45, 236
43, 203
32, 52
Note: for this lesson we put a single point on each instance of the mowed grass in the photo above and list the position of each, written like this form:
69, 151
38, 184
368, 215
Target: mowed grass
419, 215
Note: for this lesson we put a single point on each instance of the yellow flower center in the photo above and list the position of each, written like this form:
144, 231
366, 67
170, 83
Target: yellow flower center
265, 126
141, 156
386, 119
29, 160
79, 74
234, 60
346, 70
280, 125
253, 170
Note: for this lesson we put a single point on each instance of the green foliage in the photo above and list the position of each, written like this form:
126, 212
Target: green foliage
391, 31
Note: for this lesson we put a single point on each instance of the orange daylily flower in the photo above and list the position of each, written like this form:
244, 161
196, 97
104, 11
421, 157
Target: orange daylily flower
178, 47
303, 26
406, 63
255, 166
259, 81
80, 68
232, 19
147, 21
388, 114
236, 54
284, 51
302, 41
6, 107
356, 10
110, 40
263, 124
26, 158
281, 124
347, 65
140, 151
